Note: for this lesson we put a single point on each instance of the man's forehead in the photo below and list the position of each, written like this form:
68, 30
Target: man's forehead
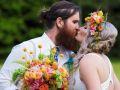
76, 16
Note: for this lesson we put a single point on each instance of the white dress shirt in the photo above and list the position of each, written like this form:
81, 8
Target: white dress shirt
17, 53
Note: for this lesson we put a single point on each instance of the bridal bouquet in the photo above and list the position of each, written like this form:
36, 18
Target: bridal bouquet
41, 74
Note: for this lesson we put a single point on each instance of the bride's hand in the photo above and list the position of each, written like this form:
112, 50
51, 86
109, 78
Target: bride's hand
81, 34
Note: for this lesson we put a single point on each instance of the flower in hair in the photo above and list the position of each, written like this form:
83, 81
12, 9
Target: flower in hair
95, 21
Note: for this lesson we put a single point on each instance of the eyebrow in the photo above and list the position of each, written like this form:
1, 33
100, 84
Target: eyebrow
76, 20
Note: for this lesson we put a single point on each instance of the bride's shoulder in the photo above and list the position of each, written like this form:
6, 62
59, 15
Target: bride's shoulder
91, 57
90, 62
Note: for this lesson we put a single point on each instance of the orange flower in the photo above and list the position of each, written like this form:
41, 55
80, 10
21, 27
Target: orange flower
92, 20
55, 65
47, 76
53, 50
44, 87
100, 28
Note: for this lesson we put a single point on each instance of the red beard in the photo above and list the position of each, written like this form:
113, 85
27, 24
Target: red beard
67, 41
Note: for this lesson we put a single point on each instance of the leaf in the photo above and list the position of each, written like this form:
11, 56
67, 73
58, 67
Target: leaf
41, 56
18, 73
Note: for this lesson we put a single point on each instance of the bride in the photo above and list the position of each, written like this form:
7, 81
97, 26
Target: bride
96, 71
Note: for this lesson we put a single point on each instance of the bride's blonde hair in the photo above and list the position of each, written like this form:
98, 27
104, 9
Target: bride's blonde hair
108, 37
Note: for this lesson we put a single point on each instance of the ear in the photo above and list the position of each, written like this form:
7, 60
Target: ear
59, 22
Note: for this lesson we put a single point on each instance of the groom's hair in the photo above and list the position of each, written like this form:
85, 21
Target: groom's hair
63, 9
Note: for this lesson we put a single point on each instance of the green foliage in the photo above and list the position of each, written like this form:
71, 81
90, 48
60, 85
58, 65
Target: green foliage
116, 66
41, 56
19, 20
18, 73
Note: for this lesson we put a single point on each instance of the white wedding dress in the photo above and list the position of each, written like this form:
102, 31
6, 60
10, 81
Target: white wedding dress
80, 85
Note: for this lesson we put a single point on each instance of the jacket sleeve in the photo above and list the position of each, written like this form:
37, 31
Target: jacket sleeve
9, 66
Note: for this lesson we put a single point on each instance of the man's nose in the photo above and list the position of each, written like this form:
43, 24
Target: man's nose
77, 27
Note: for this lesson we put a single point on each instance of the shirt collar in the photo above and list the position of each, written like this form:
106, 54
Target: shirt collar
45, 36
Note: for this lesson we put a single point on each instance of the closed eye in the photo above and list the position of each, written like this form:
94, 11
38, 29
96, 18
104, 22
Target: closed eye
75, 21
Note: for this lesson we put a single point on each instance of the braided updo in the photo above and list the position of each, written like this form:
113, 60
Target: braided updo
108, 36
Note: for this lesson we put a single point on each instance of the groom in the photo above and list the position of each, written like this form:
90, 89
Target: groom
62, 21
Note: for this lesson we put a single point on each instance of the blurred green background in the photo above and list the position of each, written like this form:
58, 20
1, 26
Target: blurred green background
19, 22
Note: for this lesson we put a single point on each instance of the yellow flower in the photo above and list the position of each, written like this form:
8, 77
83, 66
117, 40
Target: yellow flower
53, 72
97, 20
47, 60
40, 46
60, 77
33, 75
100, 13
25, 49
27, 75
53, 50
63, 74
28, 62
23, 57
43, 69
61, 55
87, 18
31, 52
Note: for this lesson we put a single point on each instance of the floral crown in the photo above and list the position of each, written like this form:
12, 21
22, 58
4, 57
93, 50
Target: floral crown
95, 22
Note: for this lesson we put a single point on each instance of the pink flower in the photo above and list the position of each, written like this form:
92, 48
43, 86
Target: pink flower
93, 27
